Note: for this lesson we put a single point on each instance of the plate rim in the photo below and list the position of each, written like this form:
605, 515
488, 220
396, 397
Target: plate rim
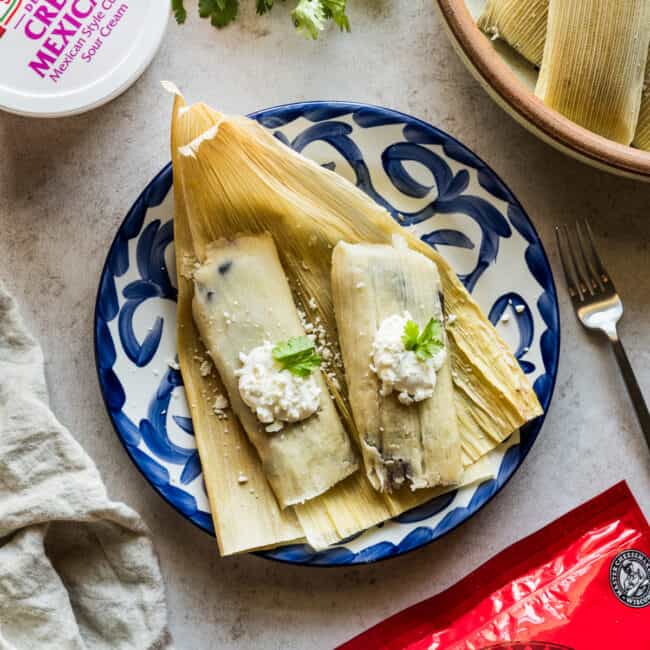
535, 424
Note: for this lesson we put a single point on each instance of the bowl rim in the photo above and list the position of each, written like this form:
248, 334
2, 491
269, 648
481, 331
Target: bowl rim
511, 94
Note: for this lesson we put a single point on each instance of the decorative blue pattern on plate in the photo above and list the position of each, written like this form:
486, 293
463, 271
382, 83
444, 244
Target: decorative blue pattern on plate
433, 185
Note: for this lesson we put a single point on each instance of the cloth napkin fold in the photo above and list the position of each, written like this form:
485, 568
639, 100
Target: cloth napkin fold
77, 570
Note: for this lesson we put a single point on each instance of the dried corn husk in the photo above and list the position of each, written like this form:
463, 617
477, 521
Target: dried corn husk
237, 178
521, 23
246, 515
594, 63
416, 445
642, 135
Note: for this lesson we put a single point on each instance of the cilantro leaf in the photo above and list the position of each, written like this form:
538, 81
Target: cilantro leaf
179, 11
297, 355
309, 17
263, 6
335, 9
220, 12
410, 336
425, 344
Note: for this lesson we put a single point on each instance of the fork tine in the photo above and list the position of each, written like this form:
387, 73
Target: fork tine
582, 284
603, 276
592, 276
574, 291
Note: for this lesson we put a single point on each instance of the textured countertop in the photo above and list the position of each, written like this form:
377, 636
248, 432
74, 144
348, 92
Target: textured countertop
66, 184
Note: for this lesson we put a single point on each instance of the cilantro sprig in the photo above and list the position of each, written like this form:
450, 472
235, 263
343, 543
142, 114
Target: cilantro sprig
179, 11
297, 355
220, 12
425, 344
309, 16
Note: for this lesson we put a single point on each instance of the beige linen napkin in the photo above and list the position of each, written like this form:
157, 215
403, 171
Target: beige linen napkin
77, 570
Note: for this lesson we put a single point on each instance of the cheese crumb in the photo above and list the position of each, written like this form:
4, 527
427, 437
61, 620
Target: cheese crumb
205, 367
219, 405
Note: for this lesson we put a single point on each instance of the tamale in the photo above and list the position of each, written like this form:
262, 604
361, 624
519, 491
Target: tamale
642, 135
416, 444
521, 23
594, 62
242, 299
246, 516
237, 178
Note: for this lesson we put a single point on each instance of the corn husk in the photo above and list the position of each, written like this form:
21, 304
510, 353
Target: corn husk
417, 444
241, 300
521, 23
642, 135
594, 63
246, 516
237, 178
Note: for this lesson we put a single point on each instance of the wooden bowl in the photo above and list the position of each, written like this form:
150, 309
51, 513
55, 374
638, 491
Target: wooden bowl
510, 81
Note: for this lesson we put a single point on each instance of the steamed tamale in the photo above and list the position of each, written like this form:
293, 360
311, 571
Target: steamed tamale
241, 300
642, 135
594, 62
403, 443
521, 23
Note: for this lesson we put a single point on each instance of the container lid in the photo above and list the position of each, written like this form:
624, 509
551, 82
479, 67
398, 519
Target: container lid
61, 57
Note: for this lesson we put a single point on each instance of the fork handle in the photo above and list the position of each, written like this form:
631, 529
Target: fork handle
633, 388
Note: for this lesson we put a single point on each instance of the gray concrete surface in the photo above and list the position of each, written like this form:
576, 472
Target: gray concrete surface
66, 184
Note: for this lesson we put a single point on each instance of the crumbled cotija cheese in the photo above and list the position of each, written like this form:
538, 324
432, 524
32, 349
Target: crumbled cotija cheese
275, 395
399, 369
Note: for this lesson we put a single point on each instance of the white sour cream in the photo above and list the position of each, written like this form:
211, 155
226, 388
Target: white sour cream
275, 395
399, 369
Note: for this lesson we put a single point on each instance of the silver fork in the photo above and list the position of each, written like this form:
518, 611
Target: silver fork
597, 304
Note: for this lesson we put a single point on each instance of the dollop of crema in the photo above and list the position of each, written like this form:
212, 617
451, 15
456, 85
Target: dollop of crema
399, 369
274, 394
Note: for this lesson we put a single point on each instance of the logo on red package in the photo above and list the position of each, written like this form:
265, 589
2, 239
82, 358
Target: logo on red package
629, 576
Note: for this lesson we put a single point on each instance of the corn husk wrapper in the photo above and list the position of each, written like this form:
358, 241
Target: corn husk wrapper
521, 23
416, 444
594, 63
642, 135
247, 516
236, 178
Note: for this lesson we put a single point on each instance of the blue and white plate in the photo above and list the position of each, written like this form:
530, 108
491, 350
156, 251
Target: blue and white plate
434, 186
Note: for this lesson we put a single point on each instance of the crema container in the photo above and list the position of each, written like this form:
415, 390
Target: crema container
62, 57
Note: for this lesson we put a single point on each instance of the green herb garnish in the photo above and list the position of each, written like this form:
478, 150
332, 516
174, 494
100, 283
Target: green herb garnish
179, 11
309, 16
220, 12
424, 344
263, 6
297, 355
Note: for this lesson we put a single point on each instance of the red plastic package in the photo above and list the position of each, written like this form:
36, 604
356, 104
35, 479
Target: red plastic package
580, 583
